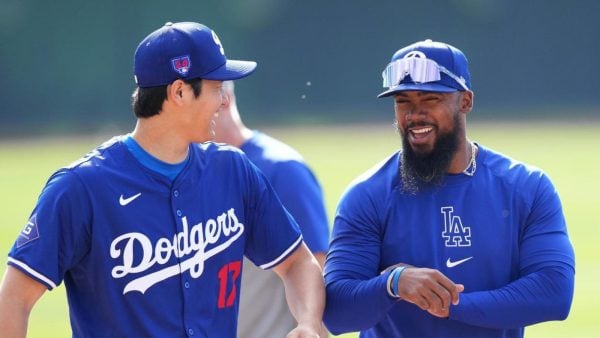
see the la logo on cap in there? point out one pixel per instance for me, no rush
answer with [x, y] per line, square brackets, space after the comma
[415, 54]
[218, 42]
[185, 50]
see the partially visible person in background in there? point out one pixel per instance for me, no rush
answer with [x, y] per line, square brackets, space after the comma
[445, 238]
[263, 307]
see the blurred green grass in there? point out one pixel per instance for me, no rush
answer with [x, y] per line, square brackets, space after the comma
[568, 152]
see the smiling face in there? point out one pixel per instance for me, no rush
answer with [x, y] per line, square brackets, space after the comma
[423, 117]
[203, 110]
[432, 126]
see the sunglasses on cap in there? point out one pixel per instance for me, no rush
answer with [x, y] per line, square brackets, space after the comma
[420, 69]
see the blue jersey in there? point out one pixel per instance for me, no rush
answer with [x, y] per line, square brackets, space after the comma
[501, 233]
[263, 307]
[295, 184]
[144, 256]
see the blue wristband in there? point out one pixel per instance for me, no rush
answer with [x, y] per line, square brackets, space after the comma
[395, 277]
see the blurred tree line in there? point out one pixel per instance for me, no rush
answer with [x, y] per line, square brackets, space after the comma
[66, 65]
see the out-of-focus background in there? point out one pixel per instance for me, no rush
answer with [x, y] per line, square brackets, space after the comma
[66, 81]
[67, 65]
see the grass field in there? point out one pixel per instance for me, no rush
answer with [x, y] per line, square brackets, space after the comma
[569, 153]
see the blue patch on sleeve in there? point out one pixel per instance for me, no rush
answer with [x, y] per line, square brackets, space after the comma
[29, 233]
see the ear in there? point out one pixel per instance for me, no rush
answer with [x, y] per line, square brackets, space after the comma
[226, 99]
[466, 101]
[175, 92]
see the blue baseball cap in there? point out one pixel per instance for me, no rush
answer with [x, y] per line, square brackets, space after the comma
[427, 66]
[185, 50]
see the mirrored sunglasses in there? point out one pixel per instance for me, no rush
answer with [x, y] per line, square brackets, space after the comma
[421, 70]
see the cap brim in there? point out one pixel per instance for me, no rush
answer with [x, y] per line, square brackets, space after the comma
[424, 87]
[231, 70]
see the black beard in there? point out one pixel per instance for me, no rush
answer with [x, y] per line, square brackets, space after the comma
[421, 170]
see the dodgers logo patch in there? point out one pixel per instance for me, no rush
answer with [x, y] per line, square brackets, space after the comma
[29, 233]
[181, 64]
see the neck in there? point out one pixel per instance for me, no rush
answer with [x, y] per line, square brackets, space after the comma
[235, 136]
[156, 138]
[463, 157]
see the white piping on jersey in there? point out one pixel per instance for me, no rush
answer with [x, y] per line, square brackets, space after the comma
[33, 272]
[285, 253]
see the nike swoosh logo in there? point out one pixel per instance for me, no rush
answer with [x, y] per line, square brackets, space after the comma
[125, 201]
[451, 264]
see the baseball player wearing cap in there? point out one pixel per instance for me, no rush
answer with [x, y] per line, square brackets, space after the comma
[148, 230]
[445, 238]
[263, 308]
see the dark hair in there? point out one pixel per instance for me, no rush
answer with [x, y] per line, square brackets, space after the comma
[147, 102]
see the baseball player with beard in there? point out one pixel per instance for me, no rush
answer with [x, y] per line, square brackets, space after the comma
[148, 231]
[446, 238]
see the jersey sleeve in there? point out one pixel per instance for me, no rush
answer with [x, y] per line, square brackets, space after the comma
[57, 232]
[273, 233]
[544, 290]
[545, 240]
[357, 297]
[301, 194]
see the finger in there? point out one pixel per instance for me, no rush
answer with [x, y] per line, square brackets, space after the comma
[442, 314]
[444, 295]
[421, 302]
[459, 288]
[436, 303]
[450, 286]
[441, 287]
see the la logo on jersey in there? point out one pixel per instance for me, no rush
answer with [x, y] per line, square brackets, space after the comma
[454, 232]
[191, 243]
[29, 233]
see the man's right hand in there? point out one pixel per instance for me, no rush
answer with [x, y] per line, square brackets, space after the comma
[429, 289]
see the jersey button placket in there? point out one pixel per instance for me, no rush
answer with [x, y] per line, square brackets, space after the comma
[186, 284]
[187, 311]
